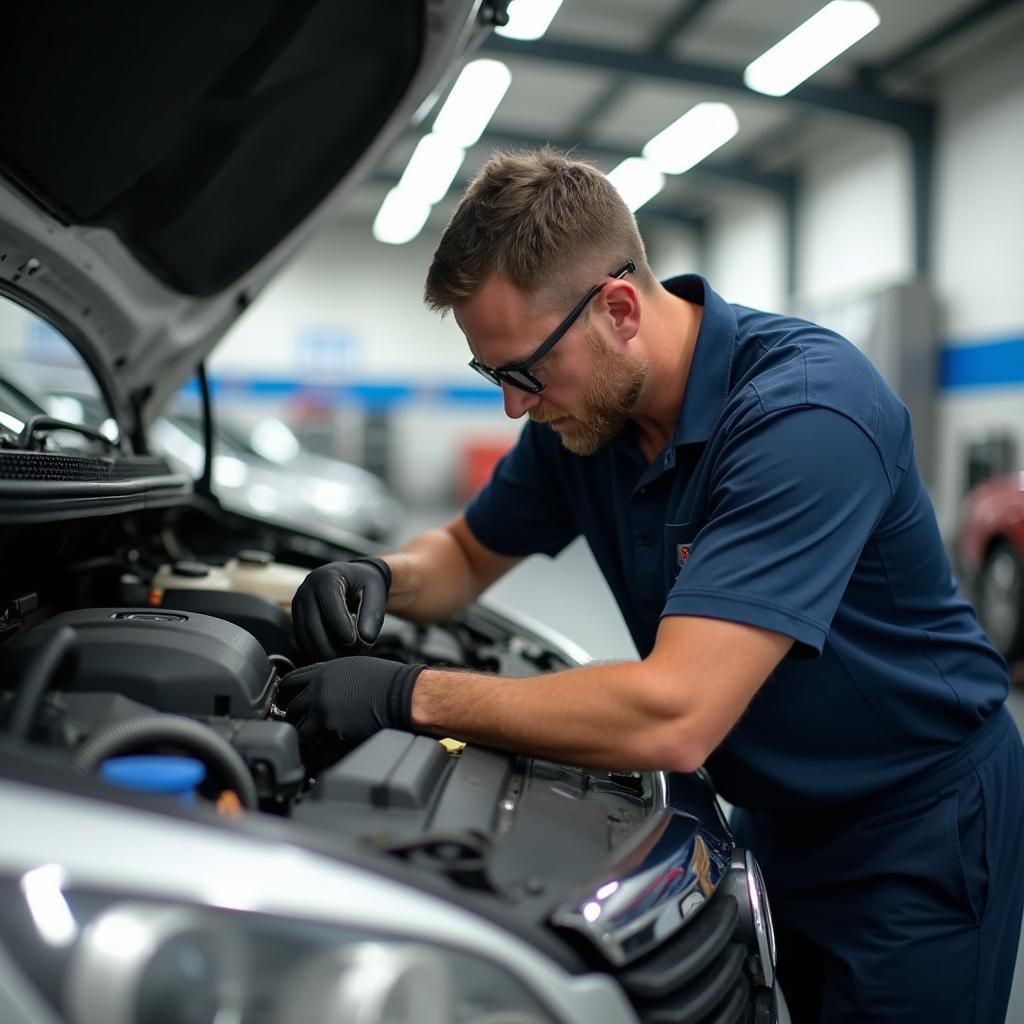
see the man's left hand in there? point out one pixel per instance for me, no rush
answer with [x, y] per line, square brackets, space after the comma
[353, 697]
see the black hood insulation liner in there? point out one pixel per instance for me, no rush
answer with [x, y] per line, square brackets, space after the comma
[200, 133]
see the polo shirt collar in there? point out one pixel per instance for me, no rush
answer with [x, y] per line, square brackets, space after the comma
[710, 369]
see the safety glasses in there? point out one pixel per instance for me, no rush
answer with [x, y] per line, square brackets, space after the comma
[518, 373]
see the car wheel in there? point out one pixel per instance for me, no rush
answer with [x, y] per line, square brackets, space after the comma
[1001, 600]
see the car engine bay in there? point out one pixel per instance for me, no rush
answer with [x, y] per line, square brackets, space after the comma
[165, 631]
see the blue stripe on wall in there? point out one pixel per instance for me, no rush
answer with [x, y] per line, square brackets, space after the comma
[988, 364]
[376, 394]
[997, 363]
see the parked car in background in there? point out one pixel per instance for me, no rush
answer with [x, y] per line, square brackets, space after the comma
[269, 474]
[991, 556]
[282, 480]
[160, 165]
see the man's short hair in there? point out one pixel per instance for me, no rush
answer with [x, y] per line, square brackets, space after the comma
[551, 225]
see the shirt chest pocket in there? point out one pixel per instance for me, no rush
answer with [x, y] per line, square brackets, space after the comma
[679, 539]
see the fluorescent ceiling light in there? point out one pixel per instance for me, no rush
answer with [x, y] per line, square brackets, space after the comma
[637, 180]
[400, 218]
[686, 141]
[431, 169]
[528, 19]
[473, 100]
[810, 46]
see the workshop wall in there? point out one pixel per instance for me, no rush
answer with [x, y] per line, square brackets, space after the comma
[746, 239]
[347, 323]
[855, 236]
[343, 340]
[348, 306]
[979, 262]
[854, 213]
[343, 335]
[671, 249]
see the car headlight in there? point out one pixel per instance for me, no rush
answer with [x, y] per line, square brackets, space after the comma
[129, 961]
[330, 497]
[229, 471]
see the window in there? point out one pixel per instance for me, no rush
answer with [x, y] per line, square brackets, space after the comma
[43, 374]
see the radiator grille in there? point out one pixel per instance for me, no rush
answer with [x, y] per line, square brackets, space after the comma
[697, 976]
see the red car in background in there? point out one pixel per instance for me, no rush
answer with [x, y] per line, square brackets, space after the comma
[991, 549]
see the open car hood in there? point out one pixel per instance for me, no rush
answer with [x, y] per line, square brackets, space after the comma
[159, 163]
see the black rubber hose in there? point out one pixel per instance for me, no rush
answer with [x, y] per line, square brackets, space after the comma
[57, 653]
[125, 737]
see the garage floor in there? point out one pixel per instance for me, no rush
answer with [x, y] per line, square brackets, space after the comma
[570, 596]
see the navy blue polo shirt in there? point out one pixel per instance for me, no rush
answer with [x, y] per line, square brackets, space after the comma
[787, 498]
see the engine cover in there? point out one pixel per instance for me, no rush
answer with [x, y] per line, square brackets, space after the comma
[175, 661]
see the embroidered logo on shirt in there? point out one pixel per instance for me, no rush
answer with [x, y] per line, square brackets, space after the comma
[682, 554]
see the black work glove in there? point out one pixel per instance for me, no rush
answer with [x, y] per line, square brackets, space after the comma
[339, 608]
[353, 697]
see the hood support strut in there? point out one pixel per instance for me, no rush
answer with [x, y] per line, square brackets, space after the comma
[204, 484]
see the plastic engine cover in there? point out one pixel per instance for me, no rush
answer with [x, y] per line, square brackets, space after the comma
[176, 661]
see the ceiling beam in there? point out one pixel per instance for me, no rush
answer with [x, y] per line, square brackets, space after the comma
[907, 114]
[952, 27]
[915, 118]
[660, 42]
[676, 23]
[739, 171]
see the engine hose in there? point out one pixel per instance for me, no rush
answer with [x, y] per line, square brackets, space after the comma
[173, 730]
[57, 654]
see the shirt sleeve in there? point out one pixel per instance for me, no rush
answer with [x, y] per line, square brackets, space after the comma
[793, 501]
[523, 509]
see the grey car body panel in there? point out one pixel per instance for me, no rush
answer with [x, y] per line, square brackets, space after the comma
[142, 338]
[234, 871]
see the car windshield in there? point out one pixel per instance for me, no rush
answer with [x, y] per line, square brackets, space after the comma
[43, 374]
[16, 408]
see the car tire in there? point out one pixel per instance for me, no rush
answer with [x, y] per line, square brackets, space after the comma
[1001, 599]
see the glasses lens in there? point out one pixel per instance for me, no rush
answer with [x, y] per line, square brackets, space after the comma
[486, 371]
[522, 379]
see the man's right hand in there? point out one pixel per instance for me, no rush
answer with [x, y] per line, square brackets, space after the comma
[339, 608]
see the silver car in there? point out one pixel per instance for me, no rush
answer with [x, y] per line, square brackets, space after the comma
[168, 852]
[294, 487]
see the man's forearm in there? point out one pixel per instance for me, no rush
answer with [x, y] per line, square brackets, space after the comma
[608, 716]
[431, 578]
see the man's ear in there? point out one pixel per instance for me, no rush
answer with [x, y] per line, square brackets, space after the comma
[622, 301]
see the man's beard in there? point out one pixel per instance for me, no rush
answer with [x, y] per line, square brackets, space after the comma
[607, 402]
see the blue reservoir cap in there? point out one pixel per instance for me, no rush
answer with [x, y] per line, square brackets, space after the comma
[152, 773]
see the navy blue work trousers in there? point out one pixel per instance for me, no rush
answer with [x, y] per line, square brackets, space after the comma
[909, 910]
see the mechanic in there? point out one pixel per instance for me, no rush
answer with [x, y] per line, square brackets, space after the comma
[747, 484]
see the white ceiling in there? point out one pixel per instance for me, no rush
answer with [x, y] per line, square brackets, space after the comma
[572, 104]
